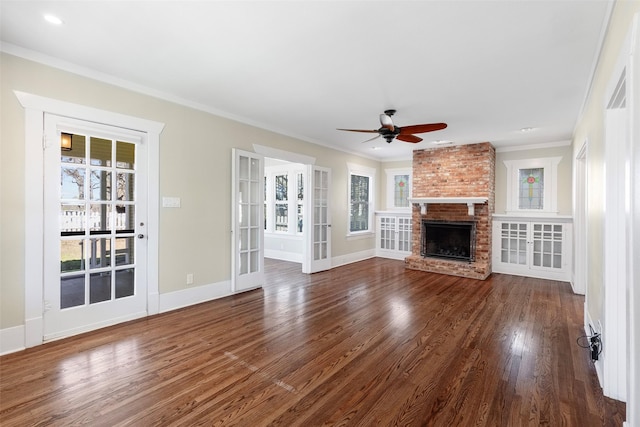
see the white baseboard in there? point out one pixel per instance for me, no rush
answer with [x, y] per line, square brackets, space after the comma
[94, 326]
[196, 295]
[538, 274]
[11, 340]
[153, 303]
[33, 330]
[283, 256]
[392, 254]
[351, 258]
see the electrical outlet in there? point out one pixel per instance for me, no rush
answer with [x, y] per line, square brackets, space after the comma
[189, 278]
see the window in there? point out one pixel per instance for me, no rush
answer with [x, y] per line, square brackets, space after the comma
[531, 191]
[284, 198]
[300, 202]
[361, 207]
[359, 217]
[532, 185]
[282, 203]
[398, 188]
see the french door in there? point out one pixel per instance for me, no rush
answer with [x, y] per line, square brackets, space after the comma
[318, 257]
[247, 221]
[95, 220]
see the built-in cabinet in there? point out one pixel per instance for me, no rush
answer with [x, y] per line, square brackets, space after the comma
[393, 234]
[535, 247]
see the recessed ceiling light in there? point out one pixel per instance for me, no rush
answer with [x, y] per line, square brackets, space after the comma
[527, 129]
[52, 19]
[376, 148]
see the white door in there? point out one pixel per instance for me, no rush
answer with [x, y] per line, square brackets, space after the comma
[247, 221]
[95, 215]
[318, 257]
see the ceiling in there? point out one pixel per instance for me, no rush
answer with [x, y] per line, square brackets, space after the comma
[304, 68]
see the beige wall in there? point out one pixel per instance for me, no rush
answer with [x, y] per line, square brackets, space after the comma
[195, 165]
[564, 175]
[590, 128]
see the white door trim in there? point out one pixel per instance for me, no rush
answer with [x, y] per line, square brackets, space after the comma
[579, 279]
[633, 304]
[35, 106]
[617, 226]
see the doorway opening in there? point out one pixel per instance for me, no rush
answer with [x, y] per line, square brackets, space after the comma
[303, 220]
[285, 194]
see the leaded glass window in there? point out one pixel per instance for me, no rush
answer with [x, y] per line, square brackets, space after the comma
[401, 191]
[531, 188]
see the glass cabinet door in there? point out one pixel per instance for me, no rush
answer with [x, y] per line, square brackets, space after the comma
[547, 245]
[513, 246]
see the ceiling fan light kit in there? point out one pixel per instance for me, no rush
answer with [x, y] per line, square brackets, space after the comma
[389, 131]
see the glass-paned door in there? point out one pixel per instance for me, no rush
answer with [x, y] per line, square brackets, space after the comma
[95, 215]
[513, 243]
[247, 221]
[319, 236]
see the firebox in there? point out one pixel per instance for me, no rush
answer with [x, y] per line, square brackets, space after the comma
[451, 240]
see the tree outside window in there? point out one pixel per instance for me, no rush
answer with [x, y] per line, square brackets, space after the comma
[359, 218]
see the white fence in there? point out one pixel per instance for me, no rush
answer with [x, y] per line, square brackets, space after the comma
[79, 220]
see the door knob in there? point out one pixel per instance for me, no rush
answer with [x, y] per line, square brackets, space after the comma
[140, 236]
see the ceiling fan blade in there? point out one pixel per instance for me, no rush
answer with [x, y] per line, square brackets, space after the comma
[386, 122]
[375, 137]
[405, 130]
[409, 138]
[360, 130]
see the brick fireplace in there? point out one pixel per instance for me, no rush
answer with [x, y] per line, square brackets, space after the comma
[454, 185]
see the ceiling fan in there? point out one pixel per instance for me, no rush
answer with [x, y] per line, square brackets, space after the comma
[389, 131]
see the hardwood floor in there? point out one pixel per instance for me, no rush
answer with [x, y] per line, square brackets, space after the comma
[369, 344]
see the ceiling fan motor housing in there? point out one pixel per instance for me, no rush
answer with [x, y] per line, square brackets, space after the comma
[388, 134]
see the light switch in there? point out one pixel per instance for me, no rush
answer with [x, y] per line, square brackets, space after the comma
[171, 202]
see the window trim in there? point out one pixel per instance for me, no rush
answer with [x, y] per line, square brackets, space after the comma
[550, 170]
[359, 170]
[390, 186]
[292, 202]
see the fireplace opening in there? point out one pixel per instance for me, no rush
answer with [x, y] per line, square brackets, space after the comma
[451, 240]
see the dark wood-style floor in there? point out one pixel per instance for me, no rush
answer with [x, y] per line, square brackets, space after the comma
[369, 344]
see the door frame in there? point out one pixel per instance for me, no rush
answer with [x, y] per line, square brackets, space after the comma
[35, 107]
[579, 282]
[309, 163]
[633, 220]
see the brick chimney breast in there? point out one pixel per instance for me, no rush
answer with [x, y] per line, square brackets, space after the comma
[458, 171]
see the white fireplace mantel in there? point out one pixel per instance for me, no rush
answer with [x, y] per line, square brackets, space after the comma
[469, 201]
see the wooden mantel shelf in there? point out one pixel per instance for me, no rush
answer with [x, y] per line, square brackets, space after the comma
[469, 201]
